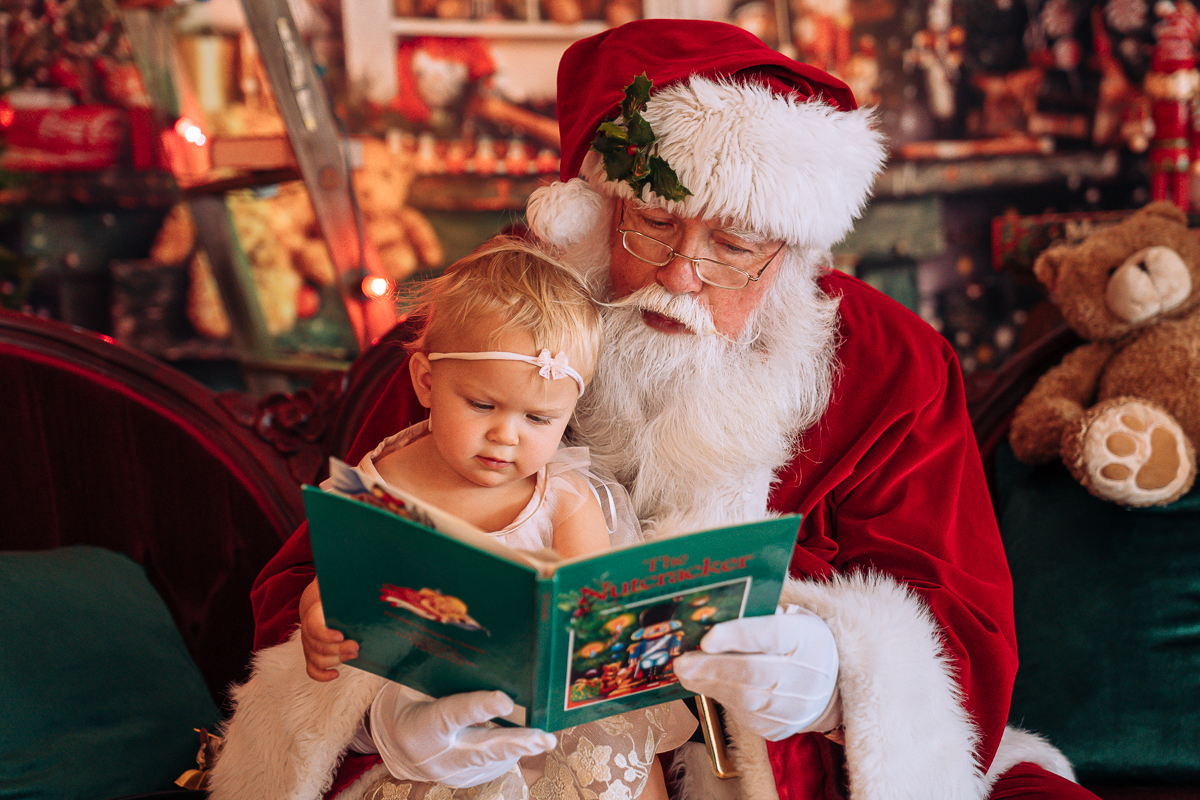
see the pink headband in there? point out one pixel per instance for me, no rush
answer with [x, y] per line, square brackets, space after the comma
[549, 367]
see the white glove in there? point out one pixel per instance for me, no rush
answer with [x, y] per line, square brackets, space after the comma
[441, 741]
[776, 675]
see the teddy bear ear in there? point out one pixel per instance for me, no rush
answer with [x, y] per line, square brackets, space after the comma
[1046, 267]
[1166, 210]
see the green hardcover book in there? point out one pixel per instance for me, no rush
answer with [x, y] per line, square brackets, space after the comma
[441, 607]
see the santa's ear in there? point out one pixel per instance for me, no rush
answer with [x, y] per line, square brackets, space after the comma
[420, 369]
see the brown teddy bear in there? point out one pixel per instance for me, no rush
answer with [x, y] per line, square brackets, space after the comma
[1123, 408]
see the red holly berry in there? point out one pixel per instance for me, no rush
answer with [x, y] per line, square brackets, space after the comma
[632, 150]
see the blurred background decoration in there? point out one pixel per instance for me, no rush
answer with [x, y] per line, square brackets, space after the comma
[116, 116]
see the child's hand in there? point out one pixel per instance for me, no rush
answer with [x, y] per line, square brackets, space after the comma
[324, 648]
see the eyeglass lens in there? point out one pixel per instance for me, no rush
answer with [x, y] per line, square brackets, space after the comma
[659, 253]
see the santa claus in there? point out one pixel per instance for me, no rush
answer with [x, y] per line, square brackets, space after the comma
[705, 178]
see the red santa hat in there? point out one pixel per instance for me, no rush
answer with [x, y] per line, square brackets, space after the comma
[774, 145]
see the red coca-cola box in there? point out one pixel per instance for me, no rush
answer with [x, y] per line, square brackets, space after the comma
[79, 138]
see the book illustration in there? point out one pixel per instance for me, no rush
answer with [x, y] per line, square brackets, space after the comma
[355, 484]
[631, 648]
[432, 605]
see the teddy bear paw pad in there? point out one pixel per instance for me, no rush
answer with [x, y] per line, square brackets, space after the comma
[1136, 454]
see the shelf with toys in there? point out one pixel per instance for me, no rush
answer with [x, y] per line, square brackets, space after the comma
[541, 31]
[496, 29]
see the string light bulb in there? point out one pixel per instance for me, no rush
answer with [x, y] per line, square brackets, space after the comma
[376, 287]
[190, 131]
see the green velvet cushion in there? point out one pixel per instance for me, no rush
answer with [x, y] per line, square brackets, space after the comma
[99, 693]
[1108, 624]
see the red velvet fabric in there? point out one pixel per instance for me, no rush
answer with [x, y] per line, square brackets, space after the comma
[1031, 782]
[889, 480]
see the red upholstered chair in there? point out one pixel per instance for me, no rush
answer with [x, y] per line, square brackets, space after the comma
[113, 651]
[306, 427]
[102, 445]
[136, 509]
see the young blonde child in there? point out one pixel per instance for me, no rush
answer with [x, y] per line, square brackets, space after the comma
[508, 342]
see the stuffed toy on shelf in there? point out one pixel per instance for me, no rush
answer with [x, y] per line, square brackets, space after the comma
[1122, 410]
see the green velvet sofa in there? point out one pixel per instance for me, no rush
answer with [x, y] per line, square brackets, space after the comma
[1107, 607]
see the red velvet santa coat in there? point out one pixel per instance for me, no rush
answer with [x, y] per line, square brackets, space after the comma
[898, 551]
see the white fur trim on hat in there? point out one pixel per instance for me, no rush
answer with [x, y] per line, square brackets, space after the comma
[789, 168]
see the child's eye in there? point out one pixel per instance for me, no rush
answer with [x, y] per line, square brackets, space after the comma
[538, 420]
[478, 406]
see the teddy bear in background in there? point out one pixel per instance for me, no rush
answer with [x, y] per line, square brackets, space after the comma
[286, 252]
[1122, 410]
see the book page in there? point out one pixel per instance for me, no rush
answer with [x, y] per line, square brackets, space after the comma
[358, 485]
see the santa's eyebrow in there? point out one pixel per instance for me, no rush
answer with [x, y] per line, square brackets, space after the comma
[749, 234]
[641, 205]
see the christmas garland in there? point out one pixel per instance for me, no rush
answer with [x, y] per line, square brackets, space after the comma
[629, 149]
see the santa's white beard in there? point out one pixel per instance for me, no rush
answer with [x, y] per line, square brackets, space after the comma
[696, 425]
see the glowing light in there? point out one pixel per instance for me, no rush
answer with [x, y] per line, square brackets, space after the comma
[190, 131]
[376, 287]
[7, 115]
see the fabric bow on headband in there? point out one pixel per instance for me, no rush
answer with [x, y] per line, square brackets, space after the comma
[549, 367]
[552, 367]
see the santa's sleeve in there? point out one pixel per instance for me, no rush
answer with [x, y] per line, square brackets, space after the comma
[920, 599]
[900, 554]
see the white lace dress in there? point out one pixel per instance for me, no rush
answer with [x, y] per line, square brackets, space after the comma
[609, 759]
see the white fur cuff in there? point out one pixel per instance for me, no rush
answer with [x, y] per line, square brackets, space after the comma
[288, 732]
[907, 733]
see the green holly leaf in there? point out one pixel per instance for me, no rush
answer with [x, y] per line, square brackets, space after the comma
[618, 164]
[606, 144]
[628, 148]
[641, 166]
[664, 181]
[636, 95]
[640, 132]
[612, 130]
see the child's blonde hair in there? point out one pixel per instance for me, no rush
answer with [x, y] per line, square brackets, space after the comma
[525, 288]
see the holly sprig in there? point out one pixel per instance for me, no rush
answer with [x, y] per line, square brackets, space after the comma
[580, 607]
[630, 149]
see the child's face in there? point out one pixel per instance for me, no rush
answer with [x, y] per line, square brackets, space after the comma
[494, 422]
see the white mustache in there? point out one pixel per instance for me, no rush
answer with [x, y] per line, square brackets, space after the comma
[681, 308]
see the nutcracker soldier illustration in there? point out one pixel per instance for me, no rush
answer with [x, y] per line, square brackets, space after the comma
[656, 643]
[1173, 85]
